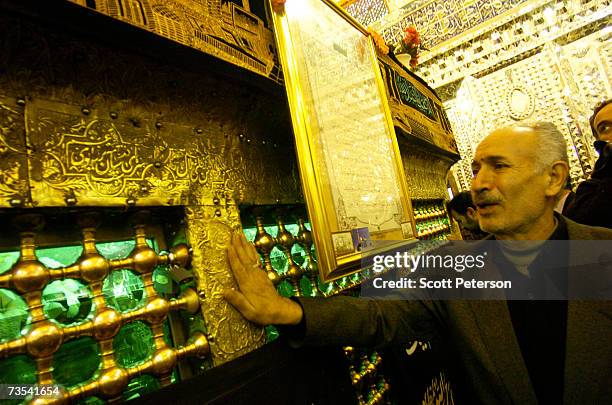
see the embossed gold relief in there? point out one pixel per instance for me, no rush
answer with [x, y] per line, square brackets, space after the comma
[13, 162]
[84, 156]
[425, 174]
[209, 229]
[220, 28]
[29, 276]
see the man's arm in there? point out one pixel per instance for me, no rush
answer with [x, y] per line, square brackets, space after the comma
[331, 321]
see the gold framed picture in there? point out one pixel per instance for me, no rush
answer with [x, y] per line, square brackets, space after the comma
[349, 161]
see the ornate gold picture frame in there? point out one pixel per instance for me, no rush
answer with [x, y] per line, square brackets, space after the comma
[350, 166]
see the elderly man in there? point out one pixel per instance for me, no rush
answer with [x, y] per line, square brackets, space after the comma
[512, 352]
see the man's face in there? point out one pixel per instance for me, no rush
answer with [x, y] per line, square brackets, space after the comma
[508, 191]
[468, 221]
[603, 124]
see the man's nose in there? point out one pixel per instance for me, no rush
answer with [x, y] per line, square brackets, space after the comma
[482, 180]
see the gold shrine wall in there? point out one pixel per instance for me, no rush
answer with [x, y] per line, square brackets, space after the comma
[83, 124]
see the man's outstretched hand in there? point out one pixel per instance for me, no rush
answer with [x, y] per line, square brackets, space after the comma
[256, 298]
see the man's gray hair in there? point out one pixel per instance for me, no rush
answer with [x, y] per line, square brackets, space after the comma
[551, 146]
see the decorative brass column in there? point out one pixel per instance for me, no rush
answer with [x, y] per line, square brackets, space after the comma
[209, 230]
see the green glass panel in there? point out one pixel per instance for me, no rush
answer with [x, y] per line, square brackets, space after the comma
[299, 254]
[139, 386]
[292, 228]
[250, 233]
[133, 344]
[306, 287]
[124, 290]
[76, 361]
[307, 226]
[7, 259]
[279, 260]
[272, 230]
[271, 333]
[162, 282]
[57, 257]
[285, 289]
[14, 316]
[326, 288]
[343, 282]
[20, 369]
[116, 250]
[67, 301]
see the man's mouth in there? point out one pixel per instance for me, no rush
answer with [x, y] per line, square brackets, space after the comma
[483, 207]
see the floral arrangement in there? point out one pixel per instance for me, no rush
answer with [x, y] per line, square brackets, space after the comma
[379, 41]
[278, 5]
[410, 44]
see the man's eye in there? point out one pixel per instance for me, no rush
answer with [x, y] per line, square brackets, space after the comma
[474, 172]
[500, 165]
[604, 129]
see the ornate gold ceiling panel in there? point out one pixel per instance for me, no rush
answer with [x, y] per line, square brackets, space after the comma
[219, 28]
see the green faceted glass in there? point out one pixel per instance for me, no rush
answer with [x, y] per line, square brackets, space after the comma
[326, 288]
[67, 301]
[250, 233]
[272, 230]
[20, 369]
[133, 344]
[7, 259]
[292, 228]
[298, 254]
[285, 289]
[116, 250]
[139, 386]
[343, 282]
[123, 290]
[306, 287]
[14, 316]
[57, 257]
[279, 260]
[271, 333]
[76, 361]
[162, 282]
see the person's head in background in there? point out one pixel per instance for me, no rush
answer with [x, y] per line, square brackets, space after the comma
[519, 172]
[463, 210]
[601, 121]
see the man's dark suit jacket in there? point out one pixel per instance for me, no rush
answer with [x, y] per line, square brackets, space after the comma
[483, 337]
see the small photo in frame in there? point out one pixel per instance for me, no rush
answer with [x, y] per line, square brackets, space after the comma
[343, 243]
[407, 231]
[361, 239]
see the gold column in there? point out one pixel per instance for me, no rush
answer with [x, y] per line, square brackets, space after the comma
[209, 232]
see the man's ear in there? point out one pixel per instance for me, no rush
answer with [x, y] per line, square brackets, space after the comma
[557, 177]
[471, 213]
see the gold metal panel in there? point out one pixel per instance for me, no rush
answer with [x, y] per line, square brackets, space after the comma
[349, 160]
[209, 230]
[82, 156]
[13, 162]
[219, 28]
